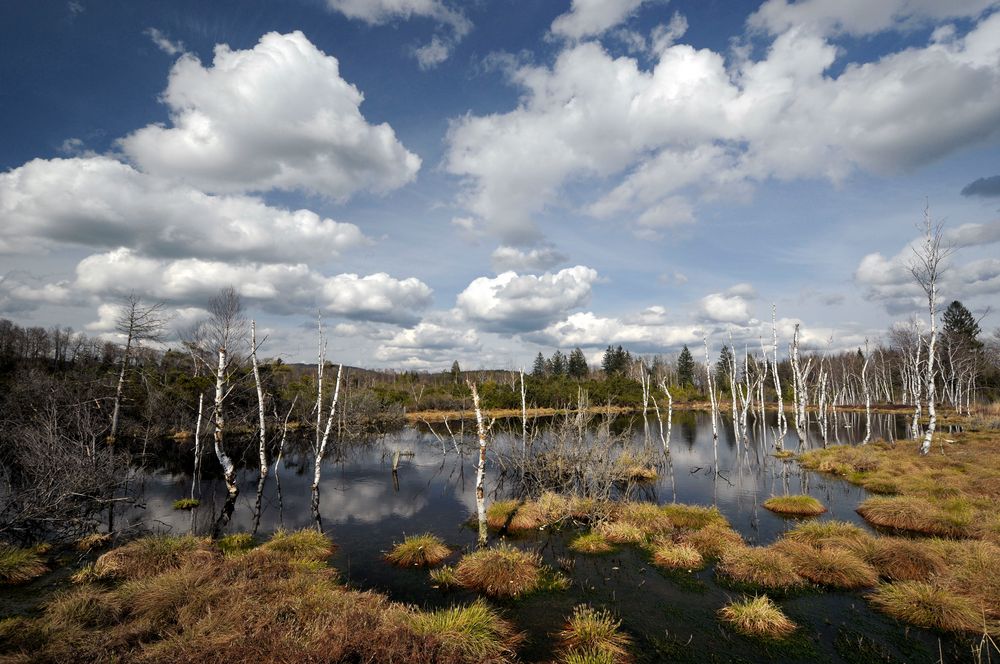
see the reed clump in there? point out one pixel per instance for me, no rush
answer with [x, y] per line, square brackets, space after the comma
[92, 541]
[592, 635]
[425, 550]
[236, 544]
[677, 556]
[800, 505]
[501, 571]
[20, 565]
[901, 559]
[648, 517]
[759, 567]
[758, 616]
[620, 532]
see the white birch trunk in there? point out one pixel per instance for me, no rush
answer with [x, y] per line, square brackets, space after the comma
[228, 468]
[262, 451]
[480, 468]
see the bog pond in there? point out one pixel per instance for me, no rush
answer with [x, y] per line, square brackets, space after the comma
[366, 508]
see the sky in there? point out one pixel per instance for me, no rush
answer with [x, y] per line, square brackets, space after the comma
[482, 181]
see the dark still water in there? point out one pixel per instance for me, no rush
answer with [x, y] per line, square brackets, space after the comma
[366, 508]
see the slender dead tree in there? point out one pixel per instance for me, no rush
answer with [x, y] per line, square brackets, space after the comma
[224, 328]
[926, 266]
[262, 448]
[715, 405]
[782, 421]
[868, 395]
[196, 475]
[321, 447]
[524, 418]
[480, 467]
[138, 322]
[665, 439]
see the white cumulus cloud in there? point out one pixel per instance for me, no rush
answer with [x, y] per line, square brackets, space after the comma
[277, 116]
[518, 303]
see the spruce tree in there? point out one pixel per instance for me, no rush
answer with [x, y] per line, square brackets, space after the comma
[685, 367]
[578, 364]
[538, 370]
[558, 364]
[960, 325]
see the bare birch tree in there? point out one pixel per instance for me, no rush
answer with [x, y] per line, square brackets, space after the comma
[480, 467]
[926, 266]
[223, 331]
[138, 322]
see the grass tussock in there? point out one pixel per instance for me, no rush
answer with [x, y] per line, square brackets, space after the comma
[592, 635]
[475, 633]
[305, 544]
[833, 566]
[425, 550]
[592, 543]
[693, 516]
[952, 518]
[18, 565]
[267, 605]
[952, 492]
[713, 541]
[620, 532]
[186, 503]
[519, 516]
[444, 577]
[928, 605]
[502, 571]
[800, 505]
[677, 556]
[152, 555]
[902, 559]
[648, 517]
[92, 541]
[759, 617]
[759, 568]
[827, 533]
[236, 544]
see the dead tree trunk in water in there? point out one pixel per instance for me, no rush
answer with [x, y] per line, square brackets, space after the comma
[868, 395]
[715, 405]
[480, 468]
[137, 322]
[196, 475]
[782, 422]
[262, 451]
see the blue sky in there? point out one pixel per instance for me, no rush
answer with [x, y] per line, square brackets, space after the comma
[482, 181]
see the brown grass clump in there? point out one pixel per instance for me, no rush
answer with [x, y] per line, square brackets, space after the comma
[499, 513]
[759, 567]
[834, 567]
[693, 516]
[713, 540]
[620, 532]
[973, 571]
[85, 606]
[264, 606]
[901, 559]
[305, 544]
[19, 565]
[592, 542]
[759, 617]
[594, 636]
[677, 556]
[424, 550]
[795, 505]
[503, 571]
[917, 515]
[151, 555]
[928, 605]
